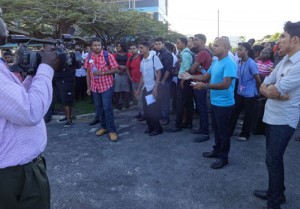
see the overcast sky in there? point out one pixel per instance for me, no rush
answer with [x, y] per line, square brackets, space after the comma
[253, 19]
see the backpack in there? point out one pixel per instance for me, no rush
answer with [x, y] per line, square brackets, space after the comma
[193, 56]
[105, 54]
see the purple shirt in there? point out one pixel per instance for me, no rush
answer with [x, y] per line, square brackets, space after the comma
[23, 133]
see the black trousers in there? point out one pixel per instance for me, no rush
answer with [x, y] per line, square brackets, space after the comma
[220, 119]
[247, 104]
[25, 186]
[80, 87]
[152, 113]
[184, 100]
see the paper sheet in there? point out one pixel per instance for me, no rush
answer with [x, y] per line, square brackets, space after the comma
[150, 99]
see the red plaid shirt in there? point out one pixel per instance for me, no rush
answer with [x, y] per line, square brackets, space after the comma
[103, 82]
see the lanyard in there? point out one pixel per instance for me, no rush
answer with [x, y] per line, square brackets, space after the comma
[242, 69]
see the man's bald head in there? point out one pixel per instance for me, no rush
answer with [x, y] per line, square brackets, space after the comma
[225, 42]
[221, 47]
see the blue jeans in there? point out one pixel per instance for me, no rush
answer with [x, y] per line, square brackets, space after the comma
[201, 101]
[220, 120]
[277, 139]
[164, 100]
[103, 103]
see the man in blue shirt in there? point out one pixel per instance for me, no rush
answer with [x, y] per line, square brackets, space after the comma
[221, 74]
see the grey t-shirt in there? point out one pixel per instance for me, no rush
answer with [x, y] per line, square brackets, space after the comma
[286, 77]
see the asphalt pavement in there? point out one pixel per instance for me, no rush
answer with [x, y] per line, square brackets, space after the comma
[162, 172]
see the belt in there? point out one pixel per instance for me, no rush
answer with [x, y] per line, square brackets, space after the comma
[37, 158]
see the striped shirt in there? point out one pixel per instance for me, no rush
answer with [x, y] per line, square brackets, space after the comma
[104, 82]
[23, 105]
[264, 67]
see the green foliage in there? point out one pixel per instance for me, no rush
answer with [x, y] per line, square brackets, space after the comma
[275, 37]
[44, 18]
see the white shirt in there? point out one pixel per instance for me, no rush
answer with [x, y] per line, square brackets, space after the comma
[148, 67]
[286, 77]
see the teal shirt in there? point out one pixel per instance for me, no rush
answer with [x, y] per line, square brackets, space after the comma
[186, 60]
[219, 70]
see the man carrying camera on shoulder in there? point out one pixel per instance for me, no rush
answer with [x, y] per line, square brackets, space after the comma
[23, 138]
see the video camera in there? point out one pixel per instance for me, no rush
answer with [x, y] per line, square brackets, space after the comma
[29, 60]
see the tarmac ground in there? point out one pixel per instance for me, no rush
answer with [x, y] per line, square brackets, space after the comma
[162, 172]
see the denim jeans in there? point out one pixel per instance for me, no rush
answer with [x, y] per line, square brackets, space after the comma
[164, 100]
[277, 139]
[220, 119]
[103, 103]
[201, 101]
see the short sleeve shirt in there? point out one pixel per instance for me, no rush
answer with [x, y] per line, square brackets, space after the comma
[134, 65]
[186, 60]
[219, 70]
[148, 68]
[247, 83]
[204, 58]
[104, 82]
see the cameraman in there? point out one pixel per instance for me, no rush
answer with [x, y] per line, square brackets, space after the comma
[23, 138]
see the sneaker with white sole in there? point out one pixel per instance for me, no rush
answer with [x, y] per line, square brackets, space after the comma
[242, 138]
[62, 120]
[68, 124]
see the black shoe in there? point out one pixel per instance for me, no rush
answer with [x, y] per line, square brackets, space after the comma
[202, 138]
[147, 131]
[94, 122]
[154, 133]
[47, 120]
[187, 126]
[211, 154]
[196, 131]
[68, 124]
[219, 163]
[176, 129]
[142, 118]
[137, 116]
[263, 194]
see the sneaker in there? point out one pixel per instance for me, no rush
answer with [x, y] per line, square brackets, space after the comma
[242, 138]
[101, 132]
[163, 122]
[68, 124]
[64, 119]
[113, 136]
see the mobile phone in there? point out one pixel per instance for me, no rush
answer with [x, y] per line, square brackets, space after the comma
[193, 83]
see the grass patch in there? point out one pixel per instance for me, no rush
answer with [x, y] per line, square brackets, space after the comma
[83, 107]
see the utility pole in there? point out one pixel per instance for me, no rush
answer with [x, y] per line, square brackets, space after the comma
[218, 23]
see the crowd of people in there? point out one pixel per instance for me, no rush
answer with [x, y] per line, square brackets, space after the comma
[160, 76]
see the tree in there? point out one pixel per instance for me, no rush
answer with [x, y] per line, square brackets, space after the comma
[44, 18]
